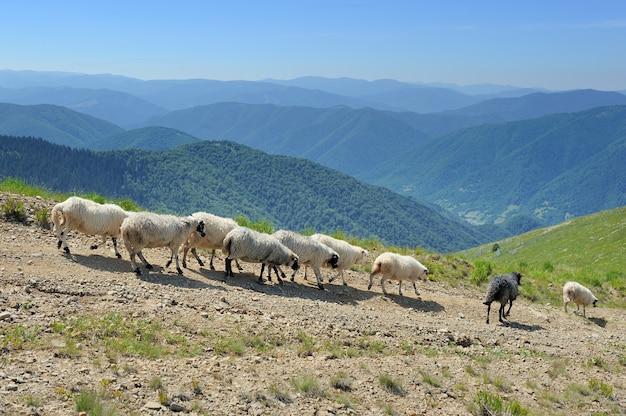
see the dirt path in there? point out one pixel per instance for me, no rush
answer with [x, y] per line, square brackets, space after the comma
[236, 347]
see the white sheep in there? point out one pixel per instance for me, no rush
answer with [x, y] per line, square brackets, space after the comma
[149, 230]
[348, 254]
[579, 294]
[254, 247]
[310, 252]
[216, 230]
[503, 288]
[87, 217]
[394, 266]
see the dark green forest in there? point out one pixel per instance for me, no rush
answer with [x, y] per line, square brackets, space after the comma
[229, 179]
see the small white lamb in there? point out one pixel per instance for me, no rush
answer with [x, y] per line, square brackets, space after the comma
[394, 266]
[579, 294]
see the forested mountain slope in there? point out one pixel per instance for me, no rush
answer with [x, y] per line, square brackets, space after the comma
[550, 168]
[229, 179]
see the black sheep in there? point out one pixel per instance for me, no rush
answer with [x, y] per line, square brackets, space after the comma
[503, 289]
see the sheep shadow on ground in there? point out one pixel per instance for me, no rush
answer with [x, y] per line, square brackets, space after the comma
[601, 322]
[102, 263]
[334, 292]
[298, 289]
[158, 274]
[415, 303]
[523, 327]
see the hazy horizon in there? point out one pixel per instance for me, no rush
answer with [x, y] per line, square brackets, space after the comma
[557, 45]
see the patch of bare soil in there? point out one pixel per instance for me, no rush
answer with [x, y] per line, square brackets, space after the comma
[237, 347]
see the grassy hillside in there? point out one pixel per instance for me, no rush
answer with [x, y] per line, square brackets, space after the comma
[590, 250]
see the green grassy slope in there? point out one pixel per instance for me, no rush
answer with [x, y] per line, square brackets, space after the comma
[590, 250]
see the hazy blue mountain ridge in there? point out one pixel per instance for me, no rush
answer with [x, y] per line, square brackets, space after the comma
[352, 141]
[116, 107]
[489, 172]
[54, 123]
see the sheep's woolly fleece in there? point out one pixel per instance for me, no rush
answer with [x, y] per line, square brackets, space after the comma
[322, 336]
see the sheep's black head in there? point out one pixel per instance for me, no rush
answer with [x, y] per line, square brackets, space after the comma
[333, 261]
[425, 275]
[594, 302]
[295, 265]
[518, 276]
[201, 228]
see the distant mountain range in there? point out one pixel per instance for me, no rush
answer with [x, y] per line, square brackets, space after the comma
[487, 154]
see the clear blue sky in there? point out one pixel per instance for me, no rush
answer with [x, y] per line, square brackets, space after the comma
[552, 44]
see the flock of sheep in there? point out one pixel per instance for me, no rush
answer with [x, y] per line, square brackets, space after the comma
[141, 230]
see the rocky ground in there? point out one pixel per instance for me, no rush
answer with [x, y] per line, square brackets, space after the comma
[83, 326]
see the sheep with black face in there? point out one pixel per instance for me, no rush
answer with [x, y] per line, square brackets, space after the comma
[252, 246]
[149, 230]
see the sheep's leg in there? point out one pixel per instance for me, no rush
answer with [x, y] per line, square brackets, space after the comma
[133, 264]
[382, 284]
[417, 292]
[280, 281]
[488, 310]
[238, 265]
[343, 278]
[117, 253]
[178, 269]
[64, 240]
[510, 306]
[103, 240]
[211, 261]
[170, 260]
[228, 271]
[400, 287]
[143, 260]
[195, 254]
[185, 250]
[318, 275]
[501, 312]
[175, 256]
[58, 231]
[371, 281]
[293, 275]
[269, 275]
[330, 279]
[584, 312]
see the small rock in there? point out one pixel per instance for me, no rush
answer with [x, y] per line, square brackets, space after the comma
[5, 316]
[175, 407]
[11, 387]
[153, 405]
